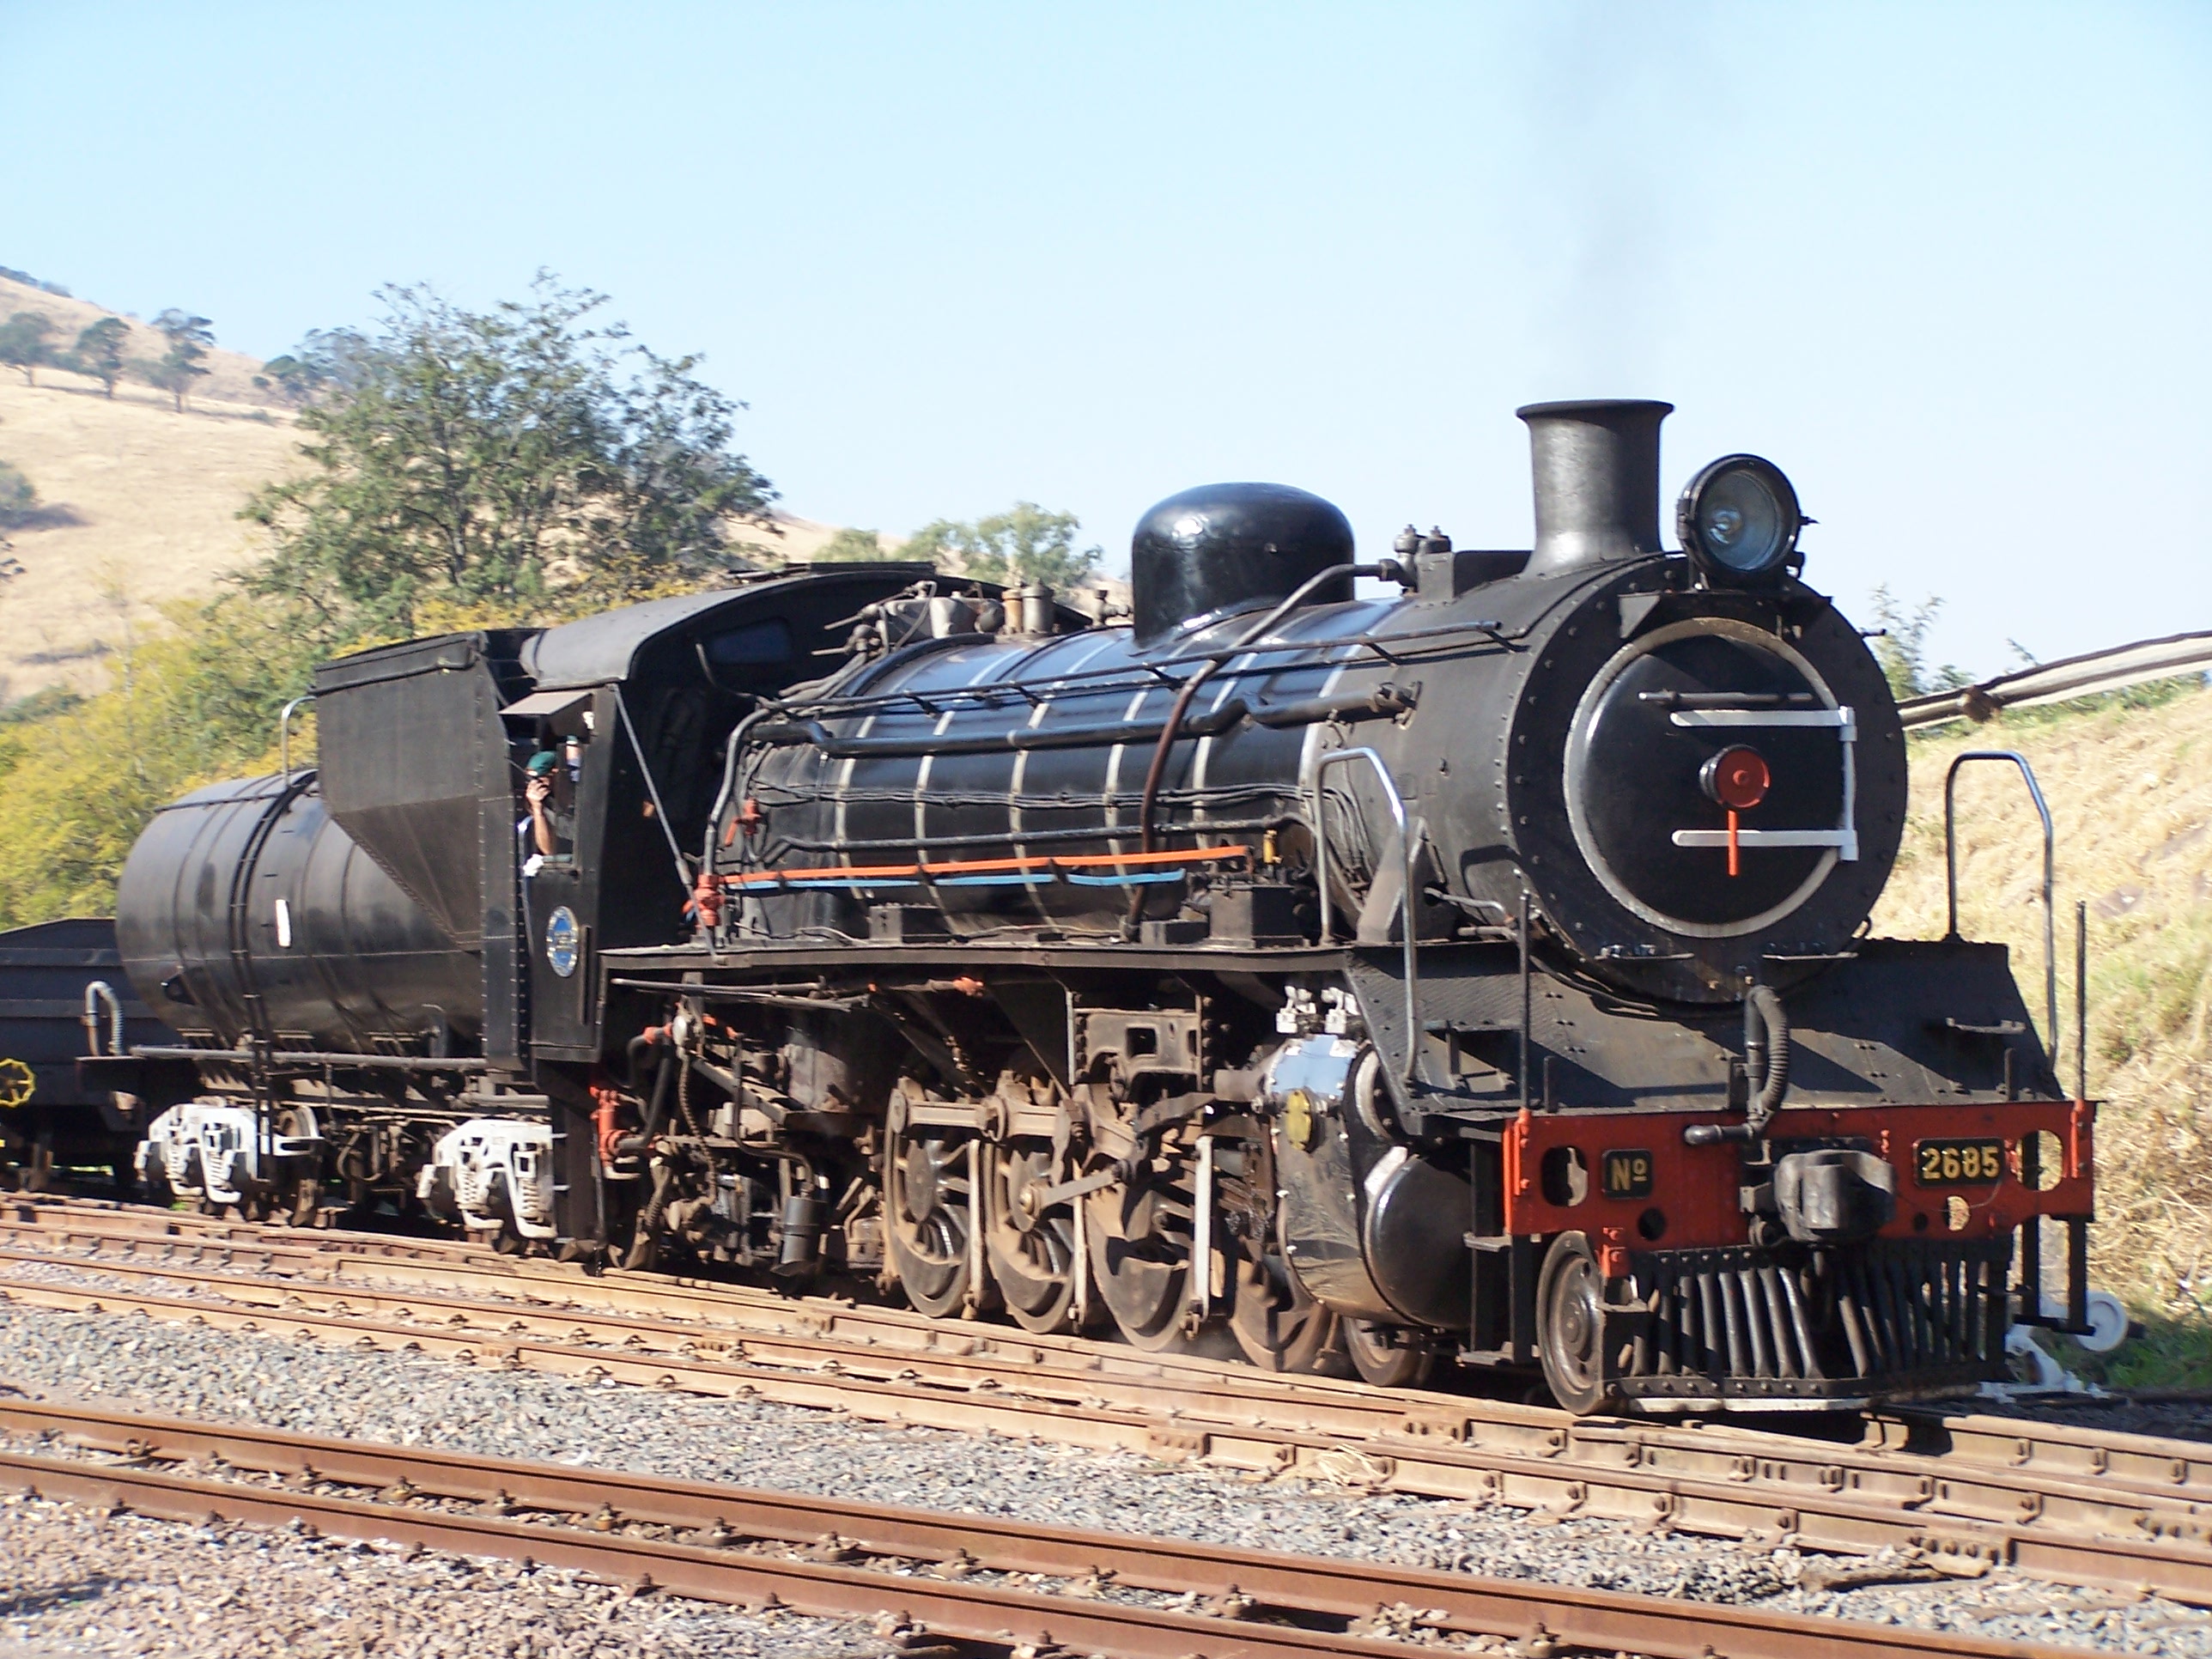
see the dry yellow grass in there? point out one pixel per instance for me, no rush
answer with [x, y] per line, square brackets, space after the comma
[795, 539]
[141, 502]
[2130, 794]
[141, 507]
[230, 375]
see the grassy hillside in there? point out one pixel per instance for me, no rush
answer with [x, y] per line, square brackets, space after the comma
[139, 507]
[138, 502]
[228, 381]
[2128, 780]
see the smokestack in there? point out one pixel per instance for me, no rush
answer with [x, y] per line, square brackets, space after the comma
[1596, 466]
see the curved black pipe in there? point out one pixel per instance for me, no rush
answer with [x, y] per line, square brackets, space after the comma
[1765, 1054]
[1173, 725]
[636, 1045]
[657, 1110]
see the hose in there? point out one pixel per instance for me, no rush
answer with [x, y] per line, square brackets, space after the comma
[1765, 1054]
[657, 1110]
[683, 1096]
[636, 1045]
[722, 797]
[644, 1245]
[706, 900]
[96, 993]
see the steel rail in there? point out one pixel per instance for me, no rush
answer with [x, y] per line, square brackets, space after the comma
[2056, 1531]
[447, 1268]
[818, 1330]
[1224, 1407]
[821, 1332]
[1328, 1596]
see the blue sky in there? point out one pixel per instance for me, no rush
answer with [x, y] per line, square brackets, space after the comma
[1948, 265]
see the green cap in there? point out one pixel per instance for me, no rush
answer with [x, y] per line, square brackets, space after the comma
[541, 763]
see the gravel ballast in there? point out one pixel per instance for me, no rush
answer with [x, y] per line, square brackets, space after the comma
[75, 1582]
[412, 1400]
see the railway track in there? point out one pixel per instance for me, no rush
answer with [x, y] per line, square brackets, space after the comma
[935, 1583]
[2062, 1503]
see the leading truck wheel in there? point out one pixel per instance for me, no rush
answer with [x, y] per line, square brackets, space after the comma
[1280, 1327]
[1571, 1326]
[1388, 1356]
[1273, 1317]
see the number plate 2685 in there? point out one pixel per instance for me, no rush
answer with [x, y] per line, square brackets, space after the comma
[1958, 1162]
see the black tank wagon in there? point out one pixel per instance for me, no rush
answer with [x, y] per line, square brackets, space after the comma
[1479, 973]
[63, 995]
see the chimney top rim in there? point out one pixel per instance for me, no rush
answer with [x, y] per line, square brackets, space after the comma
[1573, 407]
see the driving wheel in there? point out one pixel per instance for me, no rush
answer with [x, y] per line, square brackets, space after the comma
[1030, 1246]
[303, 1194]
[925, 1185]
[1140, 1241]
[1570, 1325]
[1275, 1320]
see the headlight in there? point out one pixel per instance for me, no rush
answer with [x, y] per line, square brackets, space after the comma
[1739, 519]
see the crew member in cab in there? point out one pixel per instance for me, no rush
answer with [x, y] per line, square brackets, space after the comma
[551, 793]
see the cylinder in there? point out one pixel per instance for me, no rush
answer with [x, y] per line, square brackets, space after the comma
[244, 909]
[1597, 473]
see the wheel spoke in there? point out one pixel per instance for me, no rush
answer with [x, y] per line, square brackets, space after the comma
[1031, 1256]
[1140, 1245]
[927, 1210]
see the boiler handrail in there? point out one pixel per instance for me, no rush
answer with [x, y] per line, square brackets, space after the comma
[1319, 764]
[1951, 878]
[97, 993]
[284, 734]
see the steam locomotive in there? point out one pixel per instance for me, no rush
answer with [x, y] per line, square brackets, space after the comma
[1478, 973]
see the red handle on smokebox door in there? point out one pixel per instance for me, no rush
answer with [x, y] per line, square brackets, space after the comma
[1738, 779]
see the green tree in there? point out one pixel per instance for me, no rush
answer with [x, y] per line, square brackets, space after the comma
[188, 338]
[291, 377]
[497, 458]
[195, 703]
[23, 344]
[18, 499]
[1901, 649]
[849, 545]
[174, 372]
[100, 351]
[181, 328]
[328, 358]
[1024, 543]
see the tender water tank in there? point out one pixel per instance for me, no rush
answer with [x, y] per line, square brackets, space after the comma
[245, 907]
